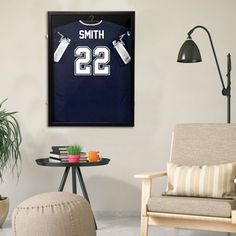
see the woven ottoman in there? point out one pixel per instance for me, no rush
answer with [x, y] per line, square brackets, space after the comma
[54, 214]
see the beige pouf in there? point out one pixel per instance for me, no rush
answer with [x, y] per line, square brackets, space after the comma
[54, 214]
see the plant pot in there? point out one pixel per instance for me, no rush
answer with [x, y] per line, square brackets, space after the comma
[4, 208]
[73, 158]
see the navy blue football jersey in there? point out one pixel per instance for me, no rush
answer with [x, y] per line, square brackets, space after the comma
[92, 83]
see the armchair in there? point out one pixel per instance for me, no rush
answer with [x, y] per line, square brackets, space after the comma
[193, 144]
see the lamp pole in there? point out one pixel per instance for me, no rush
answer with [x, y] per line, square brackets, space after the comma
[228, 88]
[226, 91]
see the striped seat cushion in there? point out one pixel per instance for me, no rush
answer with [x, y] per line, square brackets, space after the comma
[216, 181]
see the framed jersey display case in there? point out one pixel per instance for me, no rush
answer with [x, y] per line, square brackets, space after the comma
[91, 68]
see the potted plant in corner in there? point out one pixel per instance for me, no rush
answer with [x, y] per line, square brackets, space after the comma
[74, 153]
[10, 157]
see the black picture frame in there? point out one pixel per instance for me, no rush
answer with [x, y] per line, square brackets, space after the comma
[125, 19]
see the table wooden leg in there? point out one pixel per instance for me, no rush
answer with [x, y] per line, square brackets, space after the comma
[74, 188]
[83, 188]
[64, 178]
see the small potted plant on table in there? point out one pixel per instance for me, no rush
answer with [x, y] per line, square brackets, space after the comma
[74, 153]
[10, 157]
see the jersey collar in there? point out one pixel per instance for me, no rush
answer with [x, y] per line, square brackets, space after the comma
[94, 24]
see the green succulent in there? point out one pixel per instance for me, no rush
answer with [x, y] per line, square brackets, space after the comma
[74, 149]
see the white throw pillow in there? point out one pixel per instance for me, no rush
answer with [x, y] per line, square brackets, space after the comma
[215, 181]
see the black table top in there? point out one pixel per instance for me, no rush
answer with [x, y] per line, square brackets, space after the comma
[46, 162]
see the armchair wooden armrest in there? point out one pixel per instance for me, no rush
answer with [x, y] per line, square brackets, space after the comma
[151, 175]
[146, 193]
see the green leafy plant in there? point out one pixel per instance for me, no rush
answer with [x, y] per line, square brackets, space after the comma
[10, 140]
[74, 149]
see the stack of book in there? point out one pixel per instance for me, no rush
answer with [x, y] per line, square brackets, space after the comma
[59, 154]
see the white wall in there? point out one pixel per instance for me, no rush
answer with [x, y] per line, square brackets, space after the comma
[166, 92]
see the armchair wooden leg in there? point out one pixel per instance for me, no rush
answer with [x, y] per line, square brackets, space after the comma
[146, 192]
[144, 226]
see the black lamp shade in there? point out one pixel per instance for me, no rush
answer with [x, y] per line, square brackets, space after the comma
[189, 52]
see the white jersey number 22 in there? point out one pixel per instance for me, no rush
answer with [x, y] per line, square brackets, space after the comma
[84, 56]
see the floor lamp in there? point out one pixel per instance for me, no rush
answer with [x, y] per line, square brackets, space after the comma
[189, 53]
